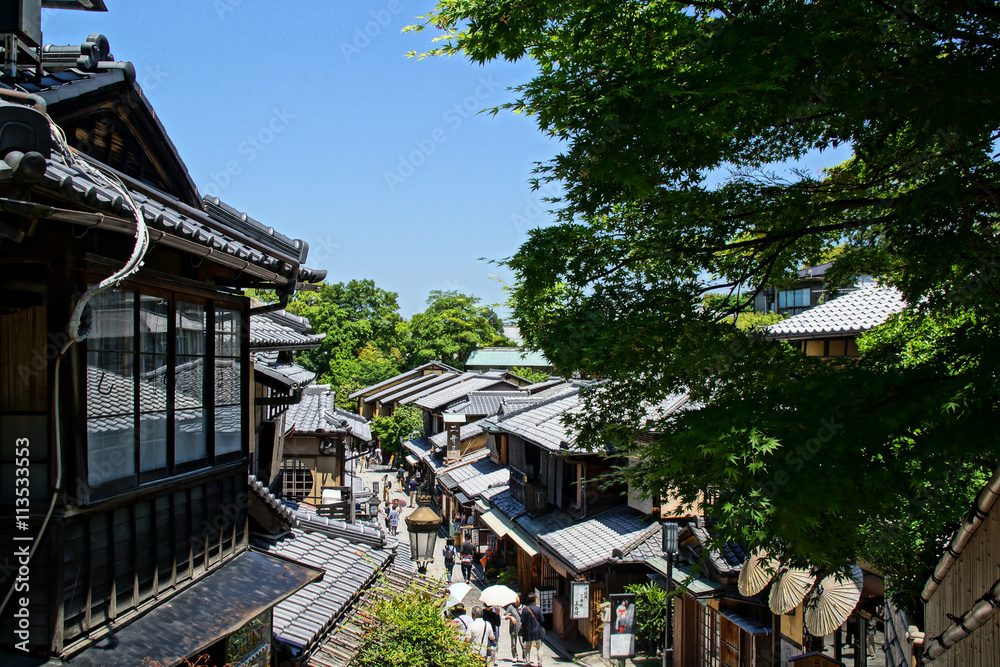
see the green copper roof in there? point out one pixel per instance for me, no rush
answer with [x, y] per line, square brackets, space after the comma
[502, 357]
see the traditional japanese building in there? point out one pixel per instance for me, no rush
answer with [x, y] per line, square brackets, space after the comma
[125, 380]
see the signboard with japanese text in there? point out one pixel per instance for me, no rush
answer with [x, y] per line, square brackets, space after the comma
[580, 599]
[454, 439]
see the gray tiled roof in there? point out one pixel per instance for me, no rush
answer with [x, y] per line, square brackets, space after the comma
[453, 379]
[470, 430]
[544, 384]
[728, 561]
[275, 331]
[489, 477]
[180, 225]
[852, 313]
[349, 568]
[417, 387]
[396, 378]
[290, 374]
[484, 403]
[508, 504]
[452, 393]
[257, 487]
[420, 447]
[541, 423]
[317, 413]
[441, 468]
[310, 521]
[341, 645]
[589, 543]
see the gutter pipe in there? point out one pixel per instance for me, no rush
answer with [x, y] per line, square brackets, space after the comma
[986, 500]
[981, 612]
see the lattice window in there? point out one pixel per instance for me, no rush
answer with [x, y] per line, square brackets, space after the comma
[708, 637]
[296, 480]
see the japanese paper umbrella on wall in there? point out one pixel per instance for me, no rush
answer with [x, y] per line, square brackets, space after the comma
[835, 598]
[790, 589]
[756, 573]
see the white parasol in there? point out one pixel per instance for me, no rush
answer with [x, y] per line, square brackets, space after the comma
[836, 597]
[457, 593]
[756, 573]
[789, 589]
[498, 595]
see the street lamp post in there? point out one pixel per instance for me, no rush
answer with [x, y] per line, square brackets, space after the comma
[670, 531]
[422, 527]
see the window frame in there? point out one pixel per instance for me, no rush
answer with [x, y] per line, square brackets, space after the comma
[211, 303]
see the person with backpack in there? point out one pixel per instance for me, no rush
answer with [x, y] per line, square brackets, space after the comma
[469, 553]
[449, 552]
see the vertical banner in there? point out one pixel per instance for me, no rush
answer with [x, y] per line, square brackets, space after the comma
[453, 428]
[454, 451]
[580, 599]
[622, 631]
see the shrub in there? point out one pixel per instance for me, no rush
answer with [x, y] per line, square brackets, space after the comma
[650, 614]
[408, 631]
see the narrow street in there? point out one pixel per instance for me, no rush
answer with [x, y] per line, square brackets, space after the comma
[552, 653]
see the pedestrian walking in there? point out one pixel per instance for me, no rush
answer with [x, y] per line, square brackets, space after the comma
[469, 552]
[413, 486]
[394, 521]
[377, 455]
[459, 618]
[386, 487]
[531, 629]
[400, 476]
[449, 552]
[513, 615]
[480, 633]
[384, 513]
[492, 616]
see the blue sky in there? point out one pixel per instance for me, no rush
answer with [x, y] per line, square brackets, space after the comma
[309, 117]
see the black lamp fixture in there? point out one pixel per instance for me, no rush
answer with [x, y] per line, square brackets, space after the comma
[422, 526]
[670, 533]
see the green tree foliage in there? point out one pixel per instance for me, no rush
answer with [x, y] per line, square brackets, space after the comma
[652, 101]
[451, 327]
[405, 423]
[650, 615]
[532, 374]
[364, 334]
[408, 631]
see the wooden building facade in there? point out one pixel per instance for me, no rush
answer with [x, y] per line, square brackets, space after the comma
[125, 401]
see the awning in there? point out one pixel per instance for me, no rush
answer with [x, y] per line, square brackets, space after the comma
[688, 577]
[501, 525]
[412, 460]
[209, 610]
[463, 499]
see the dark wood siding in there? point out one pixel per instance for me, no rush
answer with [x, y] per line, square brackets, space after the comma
[135, 549]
